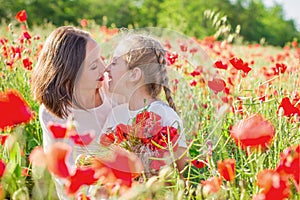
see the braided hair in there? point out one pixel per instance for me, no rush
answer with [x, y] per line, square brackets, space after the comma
[148, 54]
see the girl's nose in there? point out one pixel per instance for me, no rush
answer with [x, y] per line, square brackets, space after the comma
[107, 69]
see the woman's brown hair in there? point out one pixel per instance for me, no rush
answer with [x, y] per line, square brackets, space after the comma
[60, 61]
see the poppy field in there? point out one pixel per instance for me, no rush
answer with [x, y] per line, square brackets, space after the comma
[240, 105]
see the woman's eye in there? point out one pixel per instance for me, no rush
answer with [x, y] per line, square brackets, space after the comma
[93, 66]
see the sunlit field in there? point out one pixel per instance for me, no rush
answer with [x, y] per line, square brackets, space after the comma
[240, 104]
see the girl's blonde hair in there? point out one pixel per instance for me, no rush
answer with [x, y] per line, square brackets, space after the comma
[148, 54]
[54, 76]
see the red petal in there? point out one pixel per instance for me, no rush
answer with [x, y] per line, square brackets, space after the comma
[83, 139]
[253, 131]
[107, 139]
[288, 108]
[199, 164]
[21, 16]
[240, 65]
[56, 159]
[3, 138]
[14, 109]
[123, 164]
[58, 130]
[226, 168]
[82, 176]
[122, 132]
[273, 185]
[2, 167]
[217, 85]
[220, 65]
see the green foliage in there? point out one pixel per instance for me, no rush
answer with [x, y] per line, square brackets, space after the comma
[257, 22]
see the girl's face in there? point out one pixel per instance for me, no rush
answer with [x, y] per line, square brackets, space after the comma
[118, 75]
[93, 69]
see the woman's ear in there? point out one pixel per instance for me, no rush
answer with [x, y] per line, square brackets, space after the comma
[135, 74]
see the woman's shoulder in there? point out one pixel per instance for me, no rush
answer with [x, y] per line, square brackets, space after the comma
[45, 116]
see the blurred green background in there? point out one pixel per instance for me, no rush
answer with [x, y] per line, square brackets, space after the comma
[258, 23]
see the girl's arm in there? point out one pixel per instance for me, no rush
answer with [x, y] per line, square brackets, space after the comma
[181, 154]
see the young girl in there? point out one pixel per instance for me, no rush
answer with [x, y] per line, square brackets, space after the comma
[67, 81]
[138, 71]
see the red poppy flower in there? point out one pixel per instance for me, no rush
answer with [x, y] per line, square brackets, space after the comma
[162, 138]
[217, 85]
[193, 50]
[199, 163]
[122, 132]
[120, 163]
[226, 168]
[263, 98]
[56, 159]
[294, 44]
[146, 124]
[290, 163]
[107, 139]
[273, 185]
[288, 108]
[84, 22]
[195, 73]
[82, 176]
[279, 68]
[21, 16]
[171, 58]
[144, 117]
[253, 131]
[220, 65]
[58, 130]
[27, 64]
[183, 47]
[211, 185]
[2, 167]
[26, 35]
[14, 109]
[83, 139]
[193, 83]
[240, 65]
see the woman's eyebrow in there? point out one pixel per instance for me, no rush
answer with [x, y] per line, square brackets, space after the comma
[94, 61]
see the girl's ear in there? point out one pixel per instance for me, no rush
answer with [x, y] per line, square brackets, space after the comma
[135, 74]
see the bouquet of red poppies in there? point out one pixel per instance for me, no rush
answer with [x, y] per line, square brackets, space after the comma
[152, 142]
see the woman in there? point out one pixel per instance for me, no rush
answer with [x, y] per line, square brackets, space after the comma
[68, 81]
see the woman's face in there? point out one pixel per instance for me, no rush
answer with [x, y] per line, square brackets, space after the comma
[92, 73]
[118, 75]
